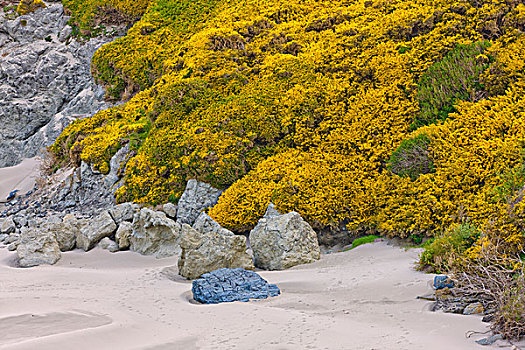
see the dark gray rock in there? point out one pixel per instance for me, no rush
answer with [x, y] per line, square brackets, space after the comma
[227, 285]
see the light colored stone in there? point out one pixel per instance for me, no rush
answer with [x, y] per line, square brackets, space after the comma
[12, 238]
[45, 83]
[98, 228]
[65, 232]
[208, 247]
[116, 166]
[8, 226]
[155, 234]
[124, 231]
[37, 248]
[196, 197]
[123, 212]
[108, 244]
[282, 241]
[170, 209]
[206, 224]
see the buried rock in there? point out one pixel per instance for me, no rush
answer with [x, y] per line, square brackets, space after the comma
[227, 285]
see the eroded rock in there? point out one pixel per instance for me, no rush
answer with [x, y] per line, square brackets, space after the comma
[37, 248]
[99, 227]
[208, 247]
[124, 231]
[155, 234]
[45, 81]
[283, 241]
[108, 244]
[196, 197]
[227, 285]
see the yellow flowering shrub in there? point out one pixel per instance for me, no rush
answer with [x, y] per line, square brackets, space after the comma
[27, 6]
[303, 104]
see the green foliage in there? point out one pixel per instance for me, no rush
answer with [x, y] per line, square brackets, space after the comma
[364, 240]
[454, 78]
[412, 158]
[512, 181]
[441, 255]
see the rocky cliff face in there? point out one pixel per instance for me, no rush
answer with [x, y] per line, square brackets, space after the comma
[45, 81]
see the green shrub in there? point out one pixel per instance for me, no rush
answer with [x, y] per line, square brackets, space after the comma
[412, 158]
[443, 252]
[455, 78]
[364, 240]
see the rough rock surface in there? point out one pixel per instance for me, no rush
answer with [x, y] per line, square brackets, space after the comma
[170, 209]
[8, 226]
[282, 241]
[124, 231]
[196, 197]
[124, 212]
[99, 227]
[65, 232]
[37, 248]
[45, 81]
[155, 234]
[108, 244]
[209, 247]
[226, 285]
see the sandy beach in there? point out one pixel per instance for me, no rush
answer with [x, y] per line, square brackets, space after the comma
[360, 299]
[20, 177]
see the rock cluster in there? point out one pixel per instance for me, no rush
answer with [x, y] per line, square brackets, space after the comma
[450, 300]
[227, 285]
[45, 81]
[91, 219]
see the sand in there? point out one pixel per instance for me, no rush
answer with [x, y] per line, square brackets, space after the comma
[360, 299]
[20, 177]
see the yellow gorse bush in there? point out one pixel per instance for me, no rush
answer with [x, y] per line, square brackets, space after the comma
[302, 103]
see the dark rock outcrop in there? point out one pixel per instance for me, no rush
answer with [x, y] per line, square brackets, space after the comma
[227, 285]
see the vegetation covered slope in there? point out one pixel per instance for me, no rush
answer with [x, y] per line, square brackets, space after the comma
[403, 117]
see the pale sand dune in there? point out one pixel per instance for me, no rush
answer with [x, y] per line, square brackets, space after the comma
[20, 177]
[361, 299]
